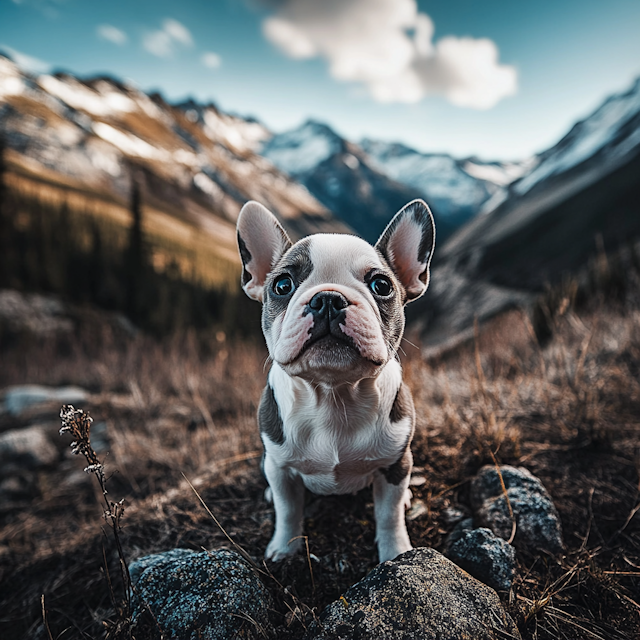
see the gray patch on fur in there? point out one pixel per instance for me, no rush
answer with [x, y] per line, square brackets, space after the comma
[402, 405]
[269, 419]
[296, 262]
[391, 308]
[400, 469]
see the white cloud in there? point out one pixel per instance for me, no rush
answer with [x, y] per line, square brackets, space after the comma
[387, 45]
[164, 42]
[24, 61]
[211, 60]
[178, 32]
[112, 34]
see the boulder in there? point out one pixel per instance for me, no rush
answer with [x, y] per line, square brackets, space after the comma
[538, 525]
[485, 556]
[200, 595]
[27, 448]
[421, 595]
[19, 398]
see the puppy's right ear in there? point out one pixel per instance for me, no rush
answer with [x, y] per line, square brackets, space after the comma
[261, 241]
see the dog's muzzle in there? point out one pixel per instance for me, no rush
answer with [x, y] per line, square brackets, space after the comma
[328, 311]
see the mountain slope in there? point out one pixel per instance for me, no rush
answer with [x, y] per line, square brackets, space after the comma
[197, 165]
[582, 193]
[455, 189]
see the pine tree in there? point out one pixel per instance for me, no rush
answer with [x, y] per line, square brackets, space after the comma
[5, 222]
[135, 258]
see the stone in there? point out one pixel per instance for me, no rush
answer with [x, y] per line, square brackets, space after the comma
[201, 595]
[485, 556]
[19, 398]
[33, 313]
[421, 595]
[538, 525]
[27, 448]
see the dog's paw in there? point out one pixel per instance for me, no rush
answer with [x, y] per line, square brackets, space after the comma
[407, 499]
[279, 548]
[268, 495]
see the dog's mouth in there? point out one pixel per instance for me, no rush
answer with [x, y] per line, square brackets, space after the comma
[331, 348]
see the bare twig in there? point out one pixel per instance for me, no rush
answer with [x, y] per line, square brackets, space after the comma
[44, 619]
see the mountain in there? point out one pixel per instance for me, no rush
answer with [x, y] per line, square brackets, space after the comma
[82, 140]
[365, 184]
[579, 195]
[340, 175]
[455, 189]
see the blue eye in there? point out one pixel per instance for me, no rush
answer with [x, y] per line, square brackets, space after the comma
[283, 286]
[381, 286]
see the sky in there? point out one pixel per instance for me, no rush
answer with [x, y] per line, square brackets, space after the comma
[498, 79]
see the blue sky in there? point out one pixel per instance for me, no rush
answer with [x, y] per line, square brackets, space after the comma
[497, 79]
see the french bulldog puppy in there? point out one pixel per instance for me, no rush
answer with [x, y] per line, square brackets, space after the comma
[335, 415]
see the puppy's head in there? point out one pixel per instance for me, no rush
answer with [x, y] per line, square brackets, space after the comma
[333, 304]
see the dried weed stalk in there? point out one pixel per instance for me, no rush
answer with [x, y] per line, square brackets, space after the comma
[77, 423]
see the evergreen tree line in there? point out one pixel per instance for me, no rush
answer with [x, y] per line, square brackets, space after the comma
[84, 259]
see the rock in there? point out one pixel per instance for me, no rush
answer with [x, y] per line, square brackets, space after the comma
[485, 556]
[19, 398]
[418, 596]
[33, 313]
[27, 448]
[538, 526]
[192, 595]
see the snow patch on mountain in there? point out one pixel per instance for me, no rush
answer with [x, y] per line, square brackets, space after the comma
[588, 137]
[501, 174]
[301, 150]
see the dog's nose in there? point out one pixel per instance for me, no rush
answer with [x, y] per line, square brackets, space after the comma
[327, 303]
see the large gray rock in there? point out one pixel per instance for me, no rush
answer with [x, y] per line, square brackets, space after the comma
[19, 398]
[418, 596]
[27, 448]
[485, 556]
[201, 595]
[538, 526]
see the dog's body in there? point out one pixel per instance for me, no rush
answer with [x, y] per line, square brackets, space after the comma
[335, 415]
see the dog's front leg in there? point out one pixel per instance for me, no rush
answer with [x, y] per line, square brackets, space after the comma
[288, 501]
[390, 492]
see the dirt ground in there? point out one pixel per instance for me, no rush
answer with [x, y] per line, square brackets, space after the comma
[568, 411]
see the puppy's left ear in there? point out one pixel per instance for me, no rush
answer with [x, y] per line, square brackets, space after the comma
[407, 245]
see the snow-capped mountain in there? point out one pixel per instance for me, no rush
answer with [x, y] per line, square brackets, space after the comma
[199, 164]
[579, 195]
[340, 175]
[456, 189]
[365, 183]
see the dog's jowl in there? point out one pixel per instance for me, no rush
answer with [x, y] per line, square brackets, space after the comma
[335, 415]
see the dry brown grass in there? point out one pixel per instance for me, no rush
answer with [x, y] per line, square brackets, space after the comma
[568, 412]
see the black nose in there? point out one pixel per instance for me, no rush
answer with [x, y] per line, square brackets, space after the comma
[327, 303]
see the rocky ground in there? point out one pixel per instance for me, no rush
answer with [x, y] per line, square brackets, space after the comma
[174, 425]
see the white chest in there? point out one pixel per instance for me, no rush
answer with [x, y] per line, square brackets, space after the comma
[336, 441]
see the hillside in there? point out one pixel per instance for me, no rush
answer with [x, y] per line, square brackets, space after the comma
[166, 411]
[579, 199]
[81, 140]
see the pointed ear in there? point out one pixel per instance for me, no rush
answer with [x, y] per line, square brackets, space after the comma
[407, 245]
[261, 241]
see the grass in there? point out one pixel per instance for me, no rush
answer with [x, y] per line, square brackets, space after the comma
[181, 412]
